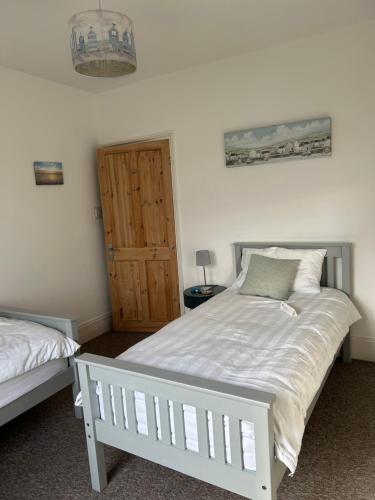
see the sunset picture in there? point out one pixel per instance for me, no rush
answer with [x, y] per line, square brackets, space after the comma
[48, 173]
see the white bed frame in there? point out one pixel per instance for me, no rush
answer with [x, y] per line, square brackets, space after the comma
[238, 403]
[68, 376]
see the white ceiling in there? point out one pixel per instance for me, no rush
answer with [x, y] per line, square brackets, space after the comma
[170, 34]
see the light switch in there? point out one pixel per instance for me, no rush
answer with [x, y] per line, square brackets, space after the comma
[98, 213]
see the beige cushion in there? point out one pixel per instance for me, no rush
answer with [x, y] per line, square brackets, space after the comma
[268, 277]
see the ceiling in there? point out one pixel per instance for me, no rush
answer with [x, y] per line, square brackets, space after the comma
[170, 34]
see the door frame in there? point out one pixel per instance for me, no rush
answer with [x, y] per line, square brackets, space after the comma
[170, 135]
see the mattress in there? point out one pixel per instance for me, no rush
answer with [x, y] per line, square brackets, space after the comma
[16, 387]
[252, 342]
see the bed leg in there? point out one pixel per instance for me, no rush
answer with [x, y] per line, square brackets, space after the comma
[346, 351]
[78, 411]
[91, 411]
[266, 472]
[97, 464]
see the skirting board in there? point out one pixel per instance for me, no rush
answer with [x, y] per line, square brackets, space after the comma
[363, 348]
[94, 327]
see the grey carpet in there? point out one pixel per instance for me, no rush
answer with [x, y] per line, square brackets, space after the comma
[43, 453]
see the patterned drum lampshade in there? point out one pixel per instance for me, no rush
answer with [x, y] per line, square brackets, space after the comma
[102, 43]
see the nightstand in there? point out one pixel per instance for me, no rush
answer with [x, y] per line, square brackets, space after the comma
[193, 299]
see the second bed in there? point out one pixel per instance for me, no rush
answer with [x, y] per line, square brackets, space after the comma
[226, 389]
[250, 341]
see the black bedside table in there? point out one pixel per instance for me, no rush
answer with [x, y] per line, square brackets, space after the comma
[192, 299]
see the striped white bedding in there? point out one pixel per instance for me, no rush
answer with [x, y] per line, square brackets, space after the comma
[250, 341]
[16, 387]
[25, 345]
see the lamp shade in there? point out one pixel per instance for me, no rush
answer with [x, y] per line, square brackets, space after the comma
[203, 258]
[102, 43]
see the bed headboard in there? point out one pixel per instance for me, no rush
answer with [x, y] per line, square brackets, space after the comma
[337, 263]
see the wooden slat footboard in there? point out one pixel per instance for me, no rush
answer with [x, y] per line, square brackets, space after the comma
[119, 428]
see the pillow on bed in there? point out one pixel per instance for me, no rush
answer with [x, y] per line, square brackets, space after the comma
[245, 260]
[248, 252]
[309, 271]
[268, 277]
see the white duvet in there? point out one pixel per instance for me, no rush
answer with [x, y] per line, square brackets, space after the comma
[251, 341]
[25, 345]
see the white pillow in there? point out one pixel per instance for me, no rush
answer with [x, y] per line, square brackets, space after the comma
[245, 261]
[309, 271]
[248, 252]
[310, 268]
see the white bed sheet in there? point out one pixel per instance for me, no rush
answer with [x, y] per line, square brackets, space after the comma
[16, 387]
[250, 341]
[25, 345]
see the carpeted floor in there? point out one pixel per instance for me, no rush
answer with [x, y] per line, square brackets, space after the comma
[43, 452]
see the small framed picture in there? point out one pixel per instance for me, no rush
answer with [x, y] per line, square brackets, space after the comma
[48, 173]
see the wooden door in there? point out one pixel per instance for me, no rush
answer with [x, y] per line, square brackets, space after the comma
[136, 191]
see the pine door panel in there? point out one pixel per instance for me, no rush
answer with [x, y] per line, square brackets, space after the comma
[152, 199]
[125, 201]
[127, 274]
[159, 287]
[136, 191]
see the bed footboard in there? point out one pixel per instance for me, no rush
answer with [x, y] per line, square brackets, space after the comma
[120, 379]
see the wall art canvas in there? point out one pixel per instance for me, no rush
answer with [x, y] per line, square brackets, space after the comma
[287, 141]
[48, 173]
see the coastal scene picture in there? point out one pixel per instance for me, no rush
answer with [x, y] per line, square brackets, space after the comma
[48, 173]
[287, 141]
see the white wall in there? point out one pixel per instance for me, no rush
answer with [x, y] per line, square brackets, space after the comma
[320, 199]
[51, 255]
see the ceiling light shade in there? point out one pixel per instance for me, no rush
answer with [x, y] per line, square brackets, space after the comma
[102, 43]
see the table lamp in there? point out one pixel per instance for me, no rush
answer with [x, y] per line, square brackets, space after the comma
[203, 259]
